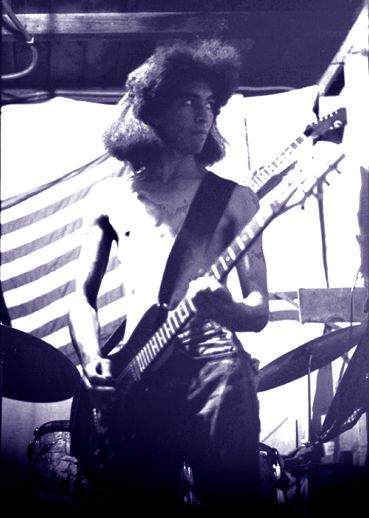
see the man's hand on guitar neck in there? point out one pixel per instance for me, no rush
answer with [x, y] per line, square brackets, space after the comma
[212, 300]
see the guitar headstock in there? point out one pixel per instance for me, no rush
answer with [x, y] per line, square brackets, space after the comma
[311, 173]
[330, 127]
[300, 182]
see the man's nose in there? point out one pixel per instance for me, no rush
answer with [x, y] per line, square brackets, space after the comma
[203, 113]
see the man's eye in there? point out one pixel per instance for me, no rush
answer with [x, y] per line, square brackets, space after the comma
[187, 101]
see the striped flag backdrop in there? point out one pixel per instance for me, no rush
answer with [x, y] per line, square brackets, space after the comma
[40, 244]
[41, 229]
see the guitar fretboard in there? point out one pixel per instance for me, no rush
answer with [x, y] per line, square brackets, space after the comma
[262, 175]
[176, 319]
[326, 124]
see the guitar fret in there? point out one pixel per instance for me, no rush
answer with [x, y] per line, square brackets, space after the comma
[147, 352]
[192, 308]
[141, 361]
[257, 177]
[155, 348]
[182, 312]
[240, 243]
[264, 172]
[223, 262]
[220, 268]
[168, 328]
[215, 271]
[231, 252]
[173, 320]
[248, 233]
[161, 338]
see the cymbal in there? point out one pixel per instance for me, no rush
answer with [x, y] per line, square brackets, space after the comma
[34, 370]
[295, 363]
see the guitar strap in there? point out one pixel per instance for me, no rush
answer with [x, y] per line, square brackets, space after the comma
[188, 254]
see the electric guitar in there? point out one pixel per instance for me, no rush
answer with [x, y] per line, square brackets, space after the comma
[329, 127]
[96, 431]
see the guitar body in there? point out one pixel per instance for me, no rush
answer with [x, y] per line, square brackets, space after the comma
[100, 429]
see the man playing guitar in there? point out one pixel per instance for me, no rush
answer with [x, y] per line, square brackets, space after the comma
[200, 404]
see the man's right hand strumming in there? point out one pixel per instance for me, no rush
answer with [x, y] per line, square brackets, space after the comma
[97, 376]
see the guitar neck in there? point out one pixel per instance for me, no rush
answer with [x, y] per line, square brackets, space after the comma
[261, 176]
[321, 129]
[242, 242]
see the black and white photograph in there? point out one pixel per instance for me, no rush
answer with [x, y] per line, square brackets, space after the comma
[140, 375]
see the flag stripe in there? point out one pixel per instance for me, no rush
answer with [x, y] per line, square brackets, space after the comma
[39, 256]
[44, 269]
[52, 280]
[58, 323]
[37, 303]
[30, 219]
[15, 201]
[41, 240]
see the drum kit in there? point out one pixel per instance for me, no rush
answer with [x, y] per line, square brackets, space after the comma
[308, 357]
[34, 371]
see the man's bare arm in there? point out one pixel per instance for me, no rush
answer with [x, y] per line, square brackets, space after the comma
[83, 320]
[214, 301]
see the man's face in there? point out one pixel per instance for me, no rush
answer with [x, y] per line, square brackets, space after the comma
[186, 123]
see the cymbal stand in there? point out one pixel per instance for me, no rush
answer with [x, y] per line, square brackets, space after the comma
[300, 513]
[309, 399]
[310, 441]
[1, 396]
[1, 411]
[298, 476]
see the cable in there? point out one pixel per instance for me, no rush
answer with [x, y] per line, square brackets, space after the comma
[28, 40]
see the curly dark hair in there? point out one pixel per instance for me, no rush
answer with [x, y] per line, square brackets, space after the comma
[153, 85]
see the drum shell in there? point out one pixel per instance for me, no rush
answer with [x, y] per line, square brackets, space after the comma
[54, 473]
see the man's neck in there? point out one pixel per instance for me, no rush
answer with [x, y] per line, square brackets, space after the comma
[171, 168]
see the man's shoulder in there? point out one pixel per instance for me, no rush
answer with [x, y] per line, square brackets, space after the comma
[112, 186]
[242, 194]
[106, 195]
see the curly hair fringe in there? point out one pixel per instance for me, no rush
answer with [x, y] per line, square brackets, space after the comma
[150, 88]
